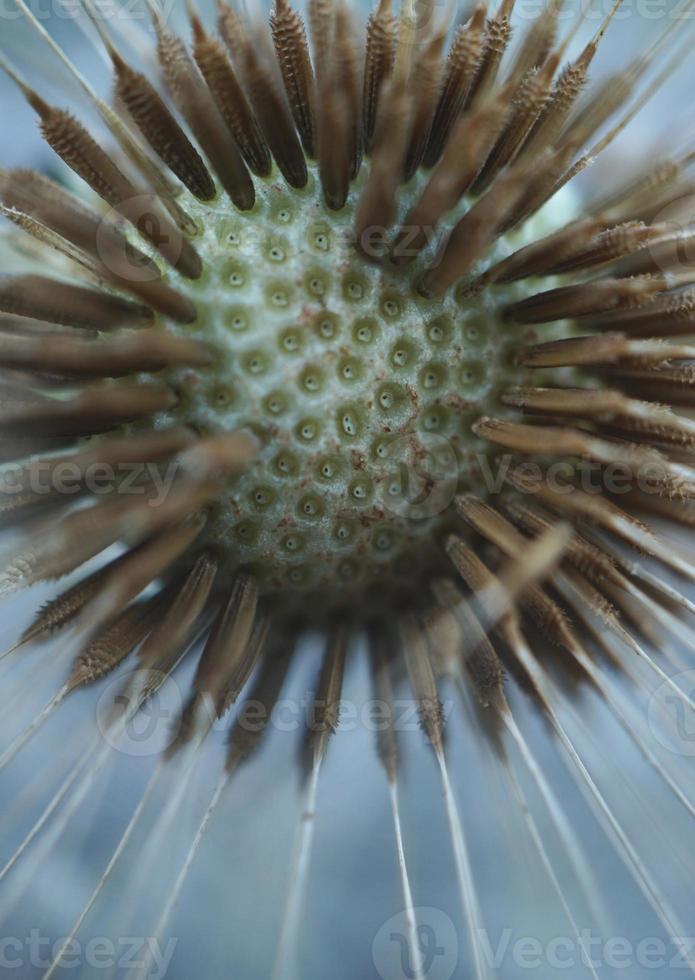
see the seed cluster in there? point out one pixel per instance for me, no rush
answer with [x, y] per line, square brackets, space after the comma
[361, 391]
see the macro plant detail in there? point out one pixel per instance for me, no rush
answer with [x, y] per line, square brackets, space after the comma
[329, 324]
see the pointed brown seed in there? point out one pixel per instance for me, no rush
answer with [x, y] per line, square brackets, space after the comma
[473, 234]
[479, 656]
[347, 77]
[59, 612]
[536, 46]
[671, 315]
[326, 714]
[94, 409]
[556, 248]
[498, 32]
[81, 153]
[145, 565]
[222, 663]
[114, 643]
[162, 132]
[196, 106]
[568, 88]
[59, 302]
[322, 29]
[230, 99]
[246, 734]
[145, 350]
[292, 51]
[423, 683]
[386, 736]
[36, 480]
[51, 204]
[527, 103]
[585, 299]
[462, 64]
[378, 64]
[604, 407]
[115, 258]
[604, 349]
[334, 151]
[268, 102]
[378, 202]
[424, 85]
[463, 156]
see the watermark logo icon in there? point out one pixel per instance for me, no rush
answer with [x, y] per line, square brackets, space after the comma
[136, 729]
[421, 476]
[437, 942]
[671, 718]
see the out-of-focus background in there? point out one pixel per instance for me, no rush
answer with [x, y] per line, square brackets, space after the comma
[227, 921]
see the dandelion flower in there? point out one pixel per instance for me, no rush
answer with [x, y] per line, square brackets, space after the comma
[320, 343]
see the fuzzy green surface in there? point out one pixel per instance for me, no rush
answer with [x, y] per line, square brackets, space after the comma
[362, 392]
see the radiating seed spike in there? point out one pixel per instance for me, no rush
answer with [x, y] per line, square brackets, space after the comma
[196, 106]
[498, 32]
[423, 682]
[74, 145]
[424, 85]
[568, 88]
[328, 692]
[33, 481]
[473, 234]
[526, 105]
[94, 409]
[462, 64]
[161, 130]
[228, 646]
[132, 149]
[378, 202]
[152, 559]
[53, 241]
[605, 406]
[564, 442]
[230, 99]
[145, 350]
[112, 645]
[480, 658]
[538, 42]
[268, 102]
[386, 735]
[59, 612]
[245, 738]
[463, 156]
[378, 65]
[253, 653]
[115, 259]
[587, 299]
[63, 303]
[291, 48]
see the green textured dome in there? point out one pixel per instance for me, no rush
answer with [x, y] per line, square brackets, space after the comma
[362, 391]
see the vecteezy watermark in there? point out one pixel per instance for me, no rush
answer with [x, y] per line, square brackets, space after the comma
[671, 717]
[587, 949]
[420, 476]
[145, 726]
[69, 478]
[430, 936]
[103, 10]
[37, 952]
[140, 716]
[437, 944]
[423, 479]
